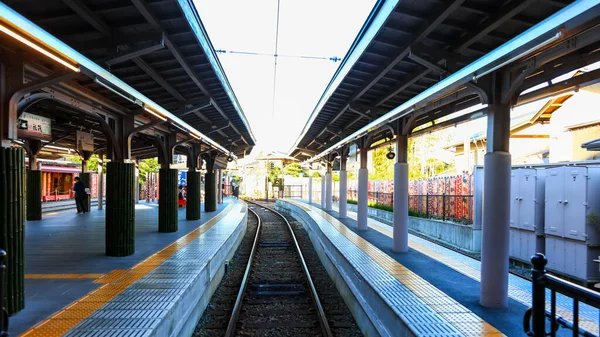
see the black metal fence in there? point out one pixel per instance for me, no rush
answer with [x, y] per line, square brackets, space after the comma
[534, 322]
[457, 208]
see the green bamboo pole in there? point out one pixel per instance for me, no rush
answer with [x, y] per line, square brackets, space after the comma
[12, 218]
[210, 192]
[192, 211]
[167, 200]
[34, 195]
[120, 209]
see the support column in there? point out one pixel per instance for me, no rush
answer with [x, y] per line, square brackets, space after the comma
[343, 206]
[220, 186]
[323, 191]
[33, 190]
[328, 188]
[100, 182]
[310, 189]
[12, 220]
[120, 209]
[85, 176]
[168, 207]
[496, 206]
[210, 191]
[137, 183]
[192, 210]
[400, 236]
[363, 191]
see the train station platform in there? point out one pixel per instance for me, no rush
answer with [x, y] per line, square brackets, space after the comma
[443, 283]
[72, 288]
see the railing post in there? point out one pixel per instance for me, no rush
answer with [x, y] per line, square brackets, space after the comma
[427, 205]
[538, 298]
[3, 312]
[444, 207]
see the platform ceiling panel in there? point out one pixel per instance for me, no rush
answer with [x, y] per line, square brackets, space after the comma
[419, 44]
[152, 46]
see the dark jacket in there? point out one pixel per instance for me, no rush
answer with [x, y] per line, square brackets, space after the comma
[79, 189]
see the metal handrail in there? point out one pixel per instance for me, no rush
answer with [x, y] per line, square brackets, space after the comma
[537, 314]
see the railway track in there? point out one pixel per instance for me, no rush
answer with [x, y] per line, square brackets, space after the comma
[277, 296]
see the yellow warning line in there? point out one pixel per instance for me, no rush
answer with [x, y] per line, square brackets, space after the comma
[66, 319]
[476, 275]
[62, 276]
[452, 311]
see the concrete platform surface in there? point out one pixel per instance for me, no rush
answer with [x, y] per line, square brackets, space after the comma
[409, 304]
[64, 257]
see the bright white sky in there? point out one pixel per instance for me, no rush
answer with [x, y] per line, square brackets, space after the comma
[306, 27]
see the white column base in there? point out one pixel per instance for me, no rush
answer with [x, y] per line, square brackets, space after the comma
[496, 230]
[328, 192]
[310, 189]
[400, 237]
[343, 209]
[323, 192]
[363, 198]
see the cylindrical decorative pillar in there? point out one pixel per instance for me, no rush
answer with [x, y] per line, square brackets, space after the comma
[192, 211]
[137, 186]
[363, 198]
[100, 188]
[328, 191]
[400, 238]
[496, 230]
[323, 192]
[120, 209]
[220, 186]
[343, 209]
[34, 195]
[86, 179]
[210, 193]
[12, 219]
[310, 189]
[167, 200]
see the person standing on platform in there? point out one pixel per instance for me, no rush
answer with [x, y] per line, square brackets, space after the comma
[80, 196]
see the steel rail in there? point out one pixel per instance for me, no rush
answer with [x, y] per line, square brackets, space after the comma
[313, 291]
[235, 314]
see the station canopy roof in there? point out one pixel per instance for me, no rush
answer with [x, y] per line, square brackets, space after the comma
[159, 48]
[406, 47]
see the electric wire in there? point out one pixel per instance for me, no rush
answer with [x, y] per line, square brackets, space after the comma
[275, 63]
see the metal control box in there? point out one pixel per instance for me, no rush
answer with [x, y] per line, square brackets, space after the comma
[572, 221]
[527, 192]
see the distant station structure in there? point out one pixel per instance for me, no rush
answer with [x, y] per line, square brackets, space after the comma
[126, 80]
[415, 63]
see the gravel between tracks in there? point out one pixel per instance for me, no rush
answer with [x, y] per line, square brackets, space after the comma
[216, 316]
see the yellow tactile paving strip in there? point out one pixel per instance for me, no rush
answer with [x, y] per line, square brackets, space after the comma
[63, 276]
[476, 275]
[454, 313]
[116, 282]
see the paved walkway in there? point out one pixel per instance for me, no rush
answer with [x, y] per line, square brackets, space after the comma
[459, 276]
[64, 257]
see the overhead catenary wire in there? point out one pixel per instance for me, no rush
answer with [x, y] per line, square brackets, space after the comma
[275, 63]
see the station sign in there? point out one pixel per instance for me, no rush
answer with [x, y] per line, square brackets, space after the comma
[85, 141]
[352, 153]
[34, 127]
[181, 178]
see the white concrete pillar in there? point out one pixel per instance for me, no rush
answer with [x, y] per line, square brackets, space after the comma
[310, 189]
[363, 197]
[323, 192]
[496, 230]
[343, 209]
[328, 191]
[400, 237]
[100, 183]
[496, 207]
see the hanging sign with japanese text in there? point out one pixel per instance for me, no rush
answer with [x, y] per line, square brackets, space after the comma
[85, 141]
[34, 127]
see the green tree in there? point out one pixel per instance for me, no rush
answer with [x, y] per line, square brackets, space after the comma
[294, 170]
[92, 163]
[316, 175]
[275, 176]
[383, 168]
[146, 166]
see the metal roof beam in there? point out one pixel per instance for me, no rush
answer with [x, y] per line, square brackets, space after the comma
[155, 76]
[132, 53]
[89, 16]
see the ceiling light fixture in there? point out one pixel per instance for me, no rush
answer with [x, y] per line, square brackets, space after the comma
[40, 49]
[155, 114]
